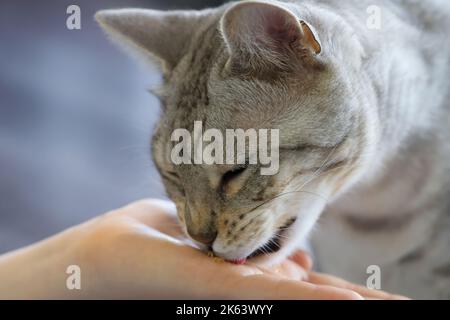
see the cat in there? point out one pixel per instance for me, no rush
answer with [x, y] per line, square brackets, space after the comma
[364, 119]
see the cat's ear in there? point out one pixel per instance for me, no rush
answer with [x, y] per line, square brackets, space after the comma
[266, 31]
[163, 35]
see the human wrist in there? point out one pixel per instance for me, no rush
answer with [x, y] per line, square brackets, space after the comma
[39, 270]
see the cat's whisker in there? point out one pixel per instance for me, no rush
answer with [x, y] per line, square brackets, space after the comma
[316, 175]
[282, 236]
[335, 168]
[282, 194]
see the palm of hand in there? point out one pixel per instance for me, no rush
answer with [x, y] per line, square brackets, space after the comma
[142, 254]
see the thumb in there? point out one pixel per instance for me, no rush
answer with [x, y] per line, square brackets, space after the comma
[303, 259]
[263, 286]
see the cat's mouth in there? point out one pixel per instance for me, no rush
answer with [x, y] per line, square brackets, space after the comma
[275, 243]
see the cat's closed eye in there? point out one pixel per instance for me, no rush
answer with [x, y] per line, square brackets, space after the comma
[230, 176]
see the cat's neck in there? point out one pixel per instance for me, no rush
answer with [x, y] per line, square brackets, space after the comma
[401, 77]
[405, 63]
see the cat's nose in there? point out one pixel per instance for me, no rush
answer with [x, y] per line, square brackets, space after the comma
[205, 237]
[205, 234]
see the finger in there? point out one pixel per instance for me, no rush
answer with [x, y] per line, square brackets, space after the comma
[324, 279]
[287, 269]
[154, 213]
[270, 287]
[302, 258]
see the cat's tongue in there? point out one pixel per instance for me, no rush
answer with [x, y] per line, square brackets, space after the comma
[238, 261]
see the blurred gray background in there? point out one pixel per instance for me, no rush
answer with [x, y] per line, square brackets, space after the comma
[75, 119]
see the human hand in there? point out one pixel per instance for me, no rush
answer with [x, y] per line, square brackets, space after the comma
[138, 252]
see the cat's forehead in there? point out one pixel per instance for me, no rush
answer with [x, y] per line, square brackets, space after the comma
[186, 89]
[304, 105]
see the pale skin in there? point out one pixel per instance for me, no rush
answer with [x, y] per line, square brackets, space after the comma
[137, 252]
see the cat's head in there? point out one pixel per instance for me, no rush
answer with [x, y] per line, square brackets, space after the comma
[254, 65]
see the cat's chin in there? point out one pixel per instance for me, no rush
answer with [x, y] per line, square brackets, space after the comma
[271, 259]
[273, 252]
[276, 250]
[288, 242]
